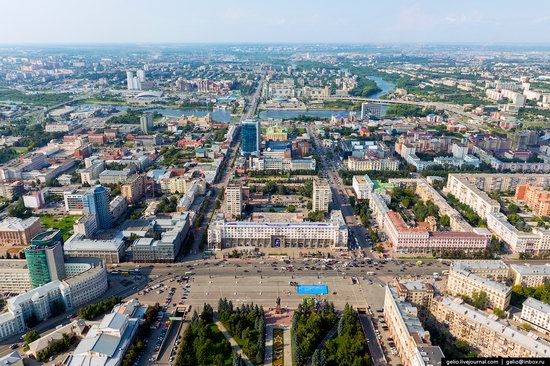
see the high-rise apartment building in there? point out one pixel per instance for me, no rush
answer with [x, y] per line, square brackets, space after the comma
[146, 122]
[134, 188]
[45, 259]
[234, 199]
[250, 133]
[322, 195]
[141, 75]
[96, 203]
[133, 82]
[129, 80]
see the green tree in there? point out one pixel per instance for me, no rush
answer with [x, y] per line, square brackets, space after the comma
[444, 221]
[31, 336]
[480, 299]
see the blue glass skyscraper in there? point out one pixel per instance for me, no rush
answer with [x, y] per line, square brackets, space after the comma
[96, 203]
[250, 137]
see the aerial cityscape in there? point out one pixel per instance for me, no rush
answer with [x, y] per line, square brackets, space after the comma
[253, 190]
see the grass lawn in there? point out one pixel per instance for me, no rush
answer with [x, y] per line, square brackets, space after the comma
[63, 223]
[21, 149]
[218, 337]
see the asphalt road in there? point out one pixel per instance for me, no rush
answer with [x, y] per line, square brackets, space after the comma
[340, 198]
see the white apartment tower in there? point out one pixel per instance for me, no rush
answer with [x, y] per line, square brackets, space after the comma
[322, 195]
[234, 199]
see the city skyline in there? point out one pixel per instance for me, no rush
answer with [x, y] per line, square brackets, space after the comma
[246, 21]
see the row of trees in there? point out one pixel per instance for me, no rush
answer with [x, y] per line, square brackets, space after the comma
[349, 347]
[144, 331]
[56, 347]
[381, 175]
[310, 322]
[91, 311]
[466, 211]
[247, 325]
[203, 344]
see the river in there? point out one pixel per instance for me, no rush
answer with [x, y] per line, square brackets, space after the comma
[386, 87]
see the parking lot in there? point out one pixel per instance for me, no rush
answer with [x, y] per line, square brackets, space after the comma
[171, 294]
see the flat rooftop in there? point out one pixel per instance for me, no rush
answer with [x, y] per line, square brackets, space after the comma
[532, 270]
[537, 305]
[473, 265]
[490, 321]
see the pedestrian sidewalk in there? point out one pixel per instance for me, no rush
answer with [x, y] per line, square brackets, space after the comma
[234, 345]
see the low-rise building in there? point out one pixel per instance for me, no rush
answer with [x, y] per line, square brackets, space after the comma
[172, 231]
[114, 176]
[530, 275]
[332, 234]
[463, 282]
[536, 314]
[75, 328]
[487, 335]
[111, 251]
[422, 239]
[12, 359]
[106, 343]
[15, 231]
[356, 164]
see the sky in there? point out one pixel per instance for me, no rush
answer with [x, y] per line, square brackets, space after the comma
[274, 21]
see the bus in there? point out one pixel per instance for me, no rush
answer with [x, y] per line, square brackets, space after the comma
[370, 273]
[189, 273]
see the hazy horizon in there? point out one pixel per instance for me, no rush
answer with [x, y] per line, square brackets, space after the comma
[57, 22]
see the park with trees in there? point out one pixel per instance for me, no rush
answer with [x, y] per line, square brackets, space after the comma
[310, 323]
[203, 344]
[348, 347]
[247, 325]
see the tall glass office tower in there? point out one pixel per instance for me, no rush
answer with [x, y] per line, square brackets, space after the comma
[250, 137]
[96, 203]
[45, 259]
